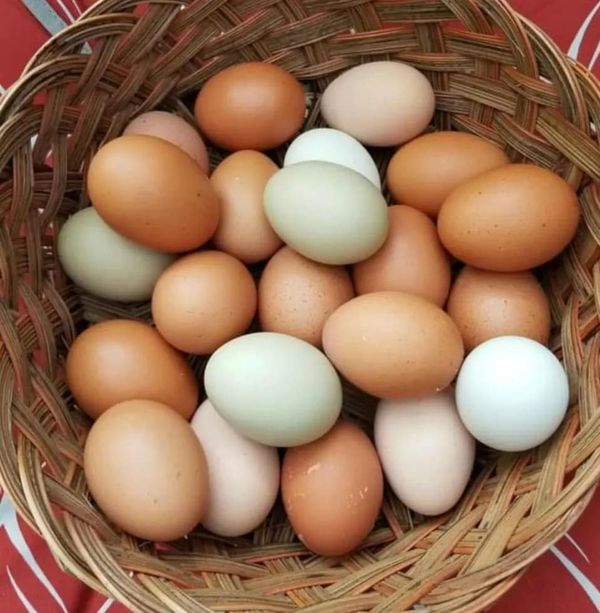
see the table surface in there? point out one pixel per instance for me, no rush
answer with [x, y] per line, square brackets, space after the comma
[564, 580]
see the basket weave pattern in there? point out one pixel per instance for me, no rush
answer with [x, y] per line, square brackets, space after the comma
[495, 75]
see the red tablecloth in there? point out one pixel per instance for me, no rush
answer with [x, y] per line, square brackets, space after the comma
[565, 580]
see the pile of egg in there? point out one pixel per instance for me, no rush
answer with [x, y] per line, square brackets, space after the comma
[347, 288]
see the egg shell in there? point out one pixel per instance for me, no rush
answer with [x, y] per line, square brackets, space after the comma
[146, 470]
[151, 192]
[203, 300]
[106, 264]
[393, 344]
[243, 230]
[512, 393]
[297, 295]
[326, 212]
[243, 475]
[274, 388]
[411, 260]
[329, 145]
[379, 103]
[423, 172]
[119, 360]
[172, 128]
[509, 219]
[332, 490]
[250, 106]
[486, 304]
[426, 452]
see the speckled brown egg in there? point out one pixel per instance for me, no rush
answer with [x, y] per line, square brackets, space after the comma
[411, 260]
[486, 304]
[120, 360]
[297, 295]
[509, 219]
[332, 490]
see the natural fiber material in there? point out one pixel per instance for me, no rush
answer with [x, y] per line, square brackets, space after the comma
[496, 75]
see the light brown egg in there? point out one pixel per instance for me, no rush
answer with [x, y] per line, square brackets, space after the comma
[297, 295]
[120, 360]
[146, 470]
[332, 490]
[243, 230]
[203, 300]
[250, 106]
[509, 219]
[423, 172]
[151, 192]
[174, 129]
[486, 304]
[411, 260]
[393, 344]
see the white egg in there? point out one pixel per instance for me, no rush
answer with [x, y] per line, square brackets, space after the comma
[512, 393]
[329, 145]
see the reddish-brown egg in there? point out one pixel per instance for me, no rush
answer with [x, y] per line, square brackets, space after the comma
[153, 193]
[120, 360]
[243, 230]
[411, 260]
[332, 490]
[509, 219]
[486, 304]
[393, 344]
[297, 295]
[203, 300]
[423, 172]
[250, 106]
[146, 470]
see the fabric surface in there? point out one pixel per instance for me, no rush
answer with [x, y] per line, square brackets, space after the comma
[565, 580]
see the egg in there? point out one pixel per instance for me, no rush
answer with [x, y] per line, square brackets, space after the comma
[326, 212]
[512, 393]
[119, 360]
[411, 260]
[426, 452]
[146, 470]
[243, 475]
[332, 490]
[243, 231]
[487, 304]
[328, 145]
[275, 389]
[174, 129]
[250, 106]
[151, 192]
[423, 172]
[509, 219]
[106, 264]
[379, 103]
[393, 344]
[203, 300]
[297, 295]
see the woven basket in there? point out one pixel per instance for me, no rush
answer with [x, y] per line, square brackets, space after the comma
[496, 75]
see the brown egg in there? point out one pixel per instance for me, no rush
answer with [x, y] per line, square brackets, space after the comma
[393, 344]
[411, 260]
[250, 106]
[243, 230]
[486, 304]
[297, 295]
[332, 490]
[153, 193]
[121, 360]
[423, 172]
[146, 470]
[172, 128]
[203, 300]
[509, 219]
